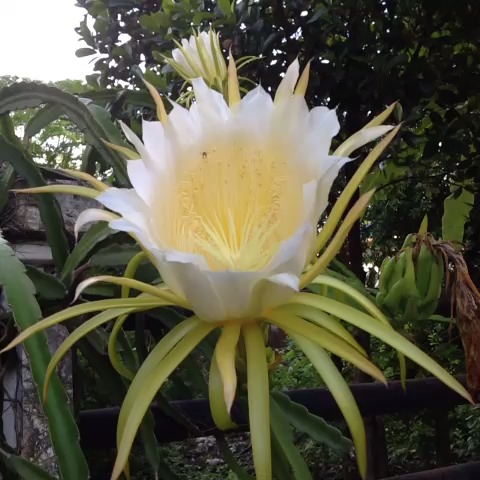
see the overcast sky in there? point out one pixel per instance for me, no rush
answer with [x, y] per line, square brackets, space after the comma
[37, 40]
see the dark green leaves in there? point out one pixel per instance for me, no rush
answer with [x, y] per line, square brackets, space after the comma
[28, 95]
[85, 52]
[20, 294]
[25, 469]
[302, 420]
[283, 435]
[94, 235]
[47, 286]
[456, 210]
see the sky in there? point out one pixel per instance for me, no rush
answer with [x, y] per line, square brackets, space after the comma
[38, 40]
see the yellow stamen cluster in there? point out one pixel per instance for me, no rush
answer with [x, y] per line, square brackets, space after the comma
[228, 206]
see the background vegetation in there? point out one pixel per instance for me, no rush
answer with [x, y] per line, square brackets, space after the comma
[364, 55]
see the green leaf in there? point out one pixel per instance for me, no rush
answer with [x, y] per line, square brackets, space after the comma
[85, 52]
[46, 285]
[121, 3]
[280, 464]
[24, 468]
[104, 118]
[155, 21]
[114, 386]
[231, 461]
[91, 157]
[41, 119]
[92, 237]
[321, 10]
[20, 294]
[50, 212]
[114, 255]
[382, 175]
[225, 7]
[159, 365]
[29, 95]
[6, 183]
[282, 432]
[165, 471]
[304, 421]
[341, 393]
[456, 210]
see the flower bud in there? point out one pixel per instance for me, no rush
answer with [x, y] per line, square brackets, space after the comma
[200, 56]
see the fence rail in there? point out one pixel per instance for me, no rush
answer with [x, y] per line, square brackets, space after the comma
[465, 471]
[97, 427]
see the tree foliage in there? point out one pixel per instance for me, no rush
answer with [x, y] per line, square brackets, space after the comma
[57, 143]
[364, 55]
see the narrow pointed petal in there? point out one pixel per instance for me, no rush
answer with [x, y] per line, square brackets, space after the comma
[297, 326]
[345, 197]
[68, 189]
[325, 321]
[92, 215]
[74, 337]
[225, 356]
[86, 177]
[161, 293]
[129, 153]
[258, 400]
[233, 88]
[343, 397]
[379, 119]
[151, 376]
[361, 299]
[334, 246]
[369, 306]
[216, 398]
[285, 89]
[389, 336]
[302, 84]
[361, 138]
[137, 303]
[161, 112]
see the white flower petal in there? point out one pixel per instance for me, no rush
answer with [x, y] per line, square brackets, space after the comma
[139, 227]
[290, 120]
[196, 286]
[227, 202]
[181, 120]
[325, 185]
[324, 125]
[143, 180]
[124, 201]
[210, 104]
[273, 291]
[179, 57]
[92, 215]
[135, 141]
[223, 296]
[157, 146]
[287, 85]
[255, 110]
